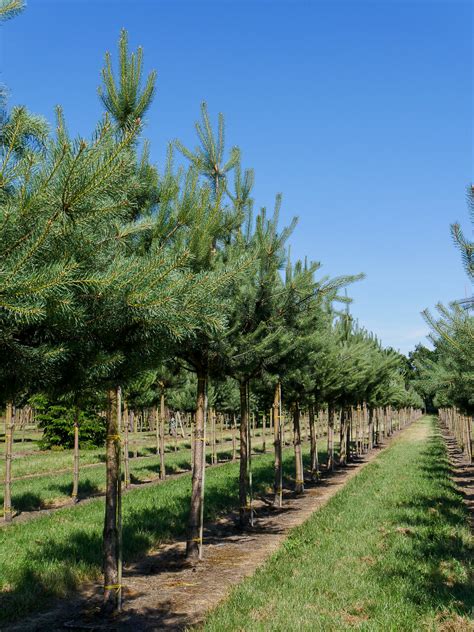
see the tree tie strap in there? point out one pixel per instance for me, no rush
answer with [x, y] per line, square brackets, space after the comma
[196, 540]
[115, 587]
[114, 437]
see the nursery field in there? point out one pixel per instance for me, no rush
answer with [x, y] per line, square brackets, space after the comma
[53, 555]
[43, 479]
[198, 430]
[392, 551]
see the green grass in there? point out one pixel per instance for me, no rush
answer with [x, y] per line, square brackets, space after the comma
[52, 555]
[54, 487]
[391, 551]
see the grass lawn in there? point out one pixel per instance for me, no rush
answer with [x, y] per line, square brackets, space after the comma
[52, 555]
[391, 552]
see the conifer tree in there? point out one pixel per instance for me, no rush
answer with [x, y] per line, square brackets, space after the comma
[215, 222]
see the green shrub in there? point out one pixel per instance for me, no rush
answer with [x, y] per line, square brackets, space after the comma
[57, 422]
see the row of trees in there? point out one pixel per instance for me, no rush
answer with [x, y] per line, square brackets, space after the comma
[444, 375]
[117, 279]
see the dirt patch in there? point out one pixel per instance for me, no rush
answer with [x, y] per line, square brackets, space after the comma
[164, 592]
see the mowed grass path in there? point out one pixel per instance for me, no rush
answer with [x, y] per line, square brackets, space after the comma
[391, 551]
[52, 555]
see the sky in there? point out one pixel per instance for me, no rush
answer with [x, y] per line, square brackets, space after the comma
[359, 113]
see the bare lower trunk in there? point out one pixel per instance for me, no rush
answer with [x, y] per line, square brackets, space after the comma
[264, 431]
[277, 430]
[244, 511]
[234, 438]
[370, 427]
[162, 437]
[157, 429]
[313, 439]
[342, 438]
[194, 541]
[126, 459]
[330, 457]
[112, 524]
[75, 479]
[9, 430]
[299, 476]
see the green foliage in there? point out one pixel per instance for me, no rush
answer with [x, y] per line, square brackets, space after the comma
[124, 97]
[57, 423]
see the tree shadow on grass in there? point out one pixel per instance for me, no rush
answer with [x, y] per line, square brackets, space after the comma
[26, 501]
[87, 488]
[55, 567]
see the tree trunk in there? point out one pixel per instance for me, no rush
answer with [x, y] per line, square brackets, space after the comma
[244, 511]
[162, 436]
[126, 456]
[313, 443]
[277, 430]
[234, 438]
[342, 438]
[75, 480]
[157, 429]
[370, 426]
[299, 474]
[112, 523]
[194, 541]
[330, 457]
[9, 430]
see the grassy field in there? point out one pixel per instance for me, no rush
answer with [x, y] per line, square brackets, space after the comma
[52, 555]
[391, 551]
[51, 486]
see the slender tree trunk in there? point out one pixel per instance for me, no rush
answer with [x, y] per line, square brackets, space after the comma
[264, 431]
[313, 439]
[234, 437]
[162, 436]
[299, 474]
[194, 541]
[277, 430]
[370, 426]
[126, 456]
[112, 523]
[330, 457]
[342, 438]
[244, 511]
[212, 414]
[75, 480]
[134, 433]
[9, 430]
[157, 429]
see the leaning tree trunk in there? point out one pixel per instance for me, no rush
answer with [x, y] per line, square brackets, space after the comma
[195, 526]
[9, 429]
[313, 439]
[113, 520]
[244, 511]
[278, 481]
[75, 479]
[330, 457]
[299, 475]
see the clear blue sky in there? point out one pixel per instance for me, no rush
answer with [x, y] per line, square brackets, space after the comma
[360, 113]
